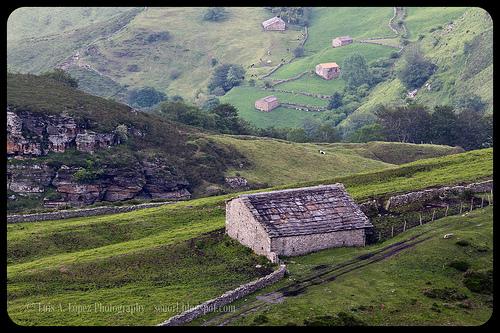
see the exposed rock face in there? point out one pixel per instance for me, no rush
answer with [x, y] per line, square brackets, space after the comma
[115, 184]
[236, 182]
[90, 141]
[29, 179]
[433, 193]
[74, 192]
[162, 182]
[38, 134]
[31, 135]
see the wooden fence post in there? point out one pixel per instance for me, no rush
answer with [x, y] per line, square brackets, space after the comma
[460, 207]
[433, 213]
[447, 207]
[471, 204]
[392, 231]
[482, 201]
[404, 226]
[420, 218]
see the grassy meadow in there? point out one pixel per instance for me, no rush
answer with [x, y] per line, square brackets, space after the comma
[167, 254]
[277, 162]
[393, 291]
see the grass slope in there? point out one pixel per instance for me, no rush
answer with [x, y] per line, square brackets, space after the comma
[276, 162]
[391, 291]
[61, 261]
[457, 73]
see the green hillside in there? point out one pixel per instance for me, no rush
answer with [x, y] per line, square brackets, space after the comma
[459, 72]
[276, 162]
[160, 255]
[174, 50]
[397, 290]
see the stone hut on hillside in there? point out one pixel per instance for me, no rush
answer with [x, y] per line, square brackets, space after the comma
[274, 24]
[297, 221]
[341, 41]
[267, 103]
[328, 70]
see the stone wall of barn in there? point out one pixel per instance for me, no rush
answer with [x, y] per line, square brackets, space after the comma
[242, 226]
[302, 244]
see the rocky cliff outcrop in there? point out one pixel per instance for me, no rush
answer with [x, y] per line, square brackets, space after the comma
[35, 134]
[32, 135]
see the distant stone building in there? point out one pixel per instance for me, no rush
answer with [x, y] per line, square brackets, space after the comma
[274, 23]
[297, 221]
[328, 70]
[267, 103]
[341, 41]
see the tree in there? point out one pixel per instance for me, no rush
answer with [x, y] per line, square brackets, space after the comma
[298, 52]
[210, 103]
[475, 131]
[215, 14]
[335, 101]
[296, 135]
[416, 69]
[146, 97]
[443, 128]
[122, 132]
[226, 76]
[404, 123]
[60, 75]
[470, 101]
[367, 133]
[355, 70]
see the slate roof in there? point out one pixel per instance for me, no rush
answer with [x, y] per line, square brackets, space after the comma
[329, 65]
[268, 99]
[344, 38]
[272, 20]
[305, 211]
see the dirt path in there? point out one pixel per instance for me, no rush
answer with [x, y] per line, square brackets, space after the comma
[321, 274]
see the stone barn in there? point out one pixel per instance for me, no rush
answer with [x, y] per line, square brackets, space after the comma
[297, 221]
[267, 103]
[328, 70]
[341, 41]
[275, 23]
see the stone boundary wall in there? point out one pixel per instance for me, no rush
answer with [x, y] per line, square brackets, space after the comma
[300, 93]
[66, 214]
[425, 195]
[430, 194]
[301, 107]
[226, 298]
[296, 77]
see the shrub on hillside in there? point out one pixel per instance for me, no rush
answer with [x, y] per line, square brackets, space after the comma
[215, 14]
[60, 75]
[226, 76]
[161, 36]
[133, 68]
[146, 97]
[479, 282]
[341, 319]
[298, 52]
[463, 242]
[355, 70]
[335, 101]
[446, 294]
[174, 74]
[416, 69]
[460, 265]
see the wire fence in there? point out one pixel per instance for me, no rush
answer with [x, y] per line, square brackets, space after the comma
[390, 225]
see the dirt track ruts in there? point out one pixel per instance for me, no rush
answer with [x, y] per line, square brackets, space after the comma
[325, 274]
